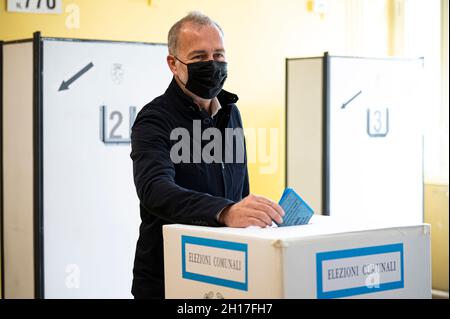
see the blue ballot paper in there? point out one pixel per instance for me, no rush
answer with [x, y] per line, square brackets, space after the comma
[297, 211]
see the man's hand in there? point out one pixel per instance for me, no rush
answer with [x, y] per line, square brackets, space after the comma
[253, 210]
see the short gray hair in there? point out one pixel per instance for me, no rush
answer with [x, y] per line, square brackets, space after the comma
[194, 17]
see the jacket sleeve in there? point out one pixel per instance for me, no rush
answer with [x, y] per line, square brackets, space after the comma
[246, 188]
[154, 177]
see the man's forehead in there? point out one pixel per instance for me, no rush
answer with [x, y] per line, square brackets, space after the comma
[196, 29]
[193, 37]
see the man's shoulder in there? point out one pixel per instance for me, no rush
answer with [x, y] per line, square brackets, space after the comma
[158, 106]
[235, 116]
[156, 113]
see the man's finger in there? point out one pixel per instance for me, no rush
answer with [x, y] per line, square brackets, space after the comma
[256, 222]
[268, 210]
[272, 204]
[261, 215]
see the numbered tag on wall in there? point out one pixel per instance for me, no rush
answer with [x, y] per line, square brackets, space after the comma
[115, 125]
[35, 6]
[377, 122]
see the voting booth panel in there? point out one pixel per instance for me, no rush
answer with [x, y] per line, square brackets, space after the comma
[328, 258]
[81, 203]
[354, 138]
[17, 171]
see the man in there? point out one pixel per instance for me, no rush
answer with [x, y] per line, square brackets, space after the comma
[194, 191]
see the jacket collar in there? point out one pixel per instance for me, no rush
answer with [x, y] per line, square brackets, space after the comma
[225, 98]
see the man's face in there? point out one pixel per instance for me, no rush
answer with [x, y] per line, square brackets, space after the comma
[195, 44]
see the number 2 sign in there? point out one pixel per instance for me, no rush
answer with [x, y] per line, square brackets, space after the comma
[111, 123]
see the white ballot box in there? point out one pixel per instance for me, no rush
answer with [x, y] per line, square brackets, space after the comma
[328, 258]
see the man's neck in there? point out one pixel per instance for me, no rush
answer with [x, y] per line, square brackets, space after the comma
[203, 103]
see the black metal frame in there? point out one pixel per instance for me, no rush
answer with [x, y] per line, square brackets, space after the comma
[2, 246]
[38, 186]
[326, 135]
[17, 41]
[100, 41]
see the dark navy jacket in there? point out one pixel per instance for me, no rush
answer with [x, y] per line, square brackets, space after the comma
[187, 193]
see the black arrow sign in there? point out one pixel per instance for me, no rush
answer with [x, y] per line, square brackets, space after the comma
[65, 84]
[353, 97]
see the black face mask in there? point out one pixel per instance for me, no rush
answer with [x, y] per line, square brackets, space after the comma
[206, 79]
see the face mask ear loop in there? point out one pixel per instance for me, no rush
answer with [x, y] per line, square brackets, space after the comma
[179, 60]
[177, 75]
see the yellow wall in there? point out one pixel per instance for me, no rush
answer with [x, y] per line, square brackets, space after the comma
[436, 213]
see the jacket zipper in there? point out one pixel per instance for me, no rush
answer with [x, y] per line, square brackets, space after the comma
[222, 168]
